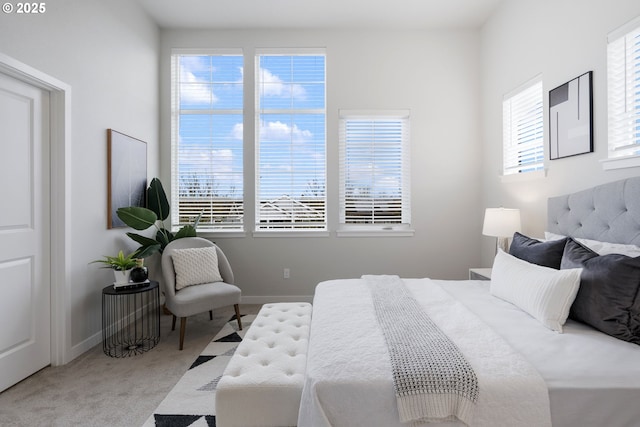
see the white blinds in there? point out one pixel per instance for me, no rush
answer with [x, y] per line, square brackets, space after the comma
[523, 130]
[290, 140]
[374, 168]
[623, 77]
[207, 140]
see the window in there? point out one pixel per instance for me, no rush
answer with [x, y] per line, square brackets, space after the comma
[623, 76]
[290, 140]
[374, 170]
[523, 129]
[206, 139]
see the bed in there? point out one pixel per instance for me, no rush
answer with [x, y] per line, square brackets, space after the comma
[528, 373]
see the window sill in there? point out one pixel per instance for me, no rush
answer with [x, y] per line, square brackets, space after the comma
[620, 162]
[221, 234]
[524, 176]
[293, 233]
[375, 232]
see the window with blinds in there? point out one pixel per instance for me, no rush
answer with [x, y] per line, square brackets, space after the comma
[523, 129]
[623, 77]
[374, 169]
[207, 139]
[290, 140]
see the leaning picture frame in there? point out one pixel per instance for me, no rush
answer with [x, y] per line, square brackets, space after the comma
[127, 174]
[571, 118]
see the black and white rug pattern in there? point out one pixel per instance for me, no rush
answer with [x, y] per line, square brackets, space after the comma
[191, 402]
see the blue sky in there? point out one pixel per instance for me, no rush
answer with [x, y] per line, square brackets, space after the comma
[214, 83]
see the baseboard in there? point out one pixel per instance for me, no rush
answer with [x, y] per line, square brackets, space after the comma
[96, 338]
[85, 345]
[266, 299]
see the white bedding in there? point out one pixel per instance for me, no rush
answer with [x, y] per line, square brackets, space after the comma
[593, 380]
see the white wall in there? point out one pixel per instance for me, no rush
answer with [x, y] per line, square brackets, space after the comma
[561, 39]
[453, 82]
[436, 76]
[107, 51]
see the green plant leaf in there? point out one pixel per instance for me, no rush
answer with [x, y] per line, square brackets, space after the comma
[145, 251]
[147, 247]
[186, 231]
[119, 262]
[137, 217]
[157, 212]
[164, 237]
[143, 240]
[157, 199]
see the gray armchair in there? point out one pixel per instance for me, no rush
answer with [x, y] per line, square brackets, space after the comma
[199, 298]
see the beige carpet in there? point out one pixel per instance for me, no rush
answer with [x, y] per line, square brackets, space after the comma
[97, 390]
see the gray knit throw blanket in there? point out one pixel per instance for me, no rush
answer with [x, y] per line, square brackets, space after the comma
[432, 379]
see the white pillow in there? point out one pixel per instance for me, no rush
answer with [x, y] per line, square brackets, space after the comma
[195, 266]
[601, 248]
[545, 293]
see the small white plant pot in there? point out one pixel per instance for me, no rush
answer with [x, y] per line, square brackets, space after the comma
[121, 276]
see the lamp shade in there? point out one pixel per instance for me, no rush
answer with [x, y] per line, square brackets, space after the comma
[501, 222]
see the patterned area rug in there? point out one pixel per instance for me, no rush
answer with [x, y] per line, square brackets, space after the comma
[191, 402]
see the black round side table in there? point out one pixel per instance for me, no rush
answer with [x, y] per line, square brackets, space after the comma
[130, 319]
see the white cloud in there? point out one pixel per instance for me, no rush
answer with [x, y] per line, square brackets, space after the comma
[238, 131]
[199, 92]
[278, 131]
[373, 178]
[223, 161]
[274, 86]
[223, 168]
[221, 165]
[388, 183]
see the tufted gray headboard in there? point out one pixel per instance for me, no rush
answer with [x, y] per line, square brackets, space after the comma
[609, 213]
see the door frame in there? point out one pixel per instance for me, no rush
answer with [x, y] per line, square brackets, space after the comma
[60, 185]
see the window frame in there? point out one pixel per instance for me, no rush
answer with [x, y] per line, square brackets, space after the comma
[623, 95]
[375, 229]
[288, 229]
[228, 228]
[528, 96]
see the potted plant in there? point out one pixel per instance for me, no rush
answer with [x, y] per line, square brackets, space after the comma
[142, 218]
[121, 265]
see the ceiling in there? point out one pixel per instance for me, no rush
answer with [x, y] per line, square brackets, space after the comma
[325, 14]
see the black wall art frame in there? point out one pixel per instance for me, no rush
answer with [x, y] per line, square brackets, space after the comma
[571, 118]
[127, 174]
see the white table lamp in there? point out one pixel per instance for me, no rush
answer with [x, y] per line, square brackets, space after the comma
[501, 223]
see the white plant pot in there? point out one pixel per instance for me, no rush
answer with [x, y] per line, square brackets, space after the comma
[121, 276]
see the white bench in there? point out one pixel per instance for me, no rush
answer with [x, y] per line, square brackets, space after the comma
[262, 384]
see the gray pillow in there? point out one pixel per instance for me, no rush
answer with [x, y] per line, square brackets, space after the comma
[609, 295]
[547, 254]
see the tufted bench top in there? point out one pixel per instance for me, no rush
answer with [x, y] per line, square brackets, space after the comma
[262, 384]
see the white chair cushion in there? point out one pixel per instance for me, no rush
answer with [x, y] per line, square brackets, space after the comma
[201, 298]
[195, 266]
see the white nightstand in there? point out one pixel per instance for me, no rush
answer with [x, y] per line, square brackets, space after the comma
[480, 274]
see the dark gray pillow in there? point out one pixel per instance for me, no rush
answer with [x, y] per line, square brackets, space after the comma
[609, 295]
[547, 254]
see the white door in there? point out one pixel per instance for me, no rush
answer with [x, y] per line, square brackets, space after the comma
[25, 335]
